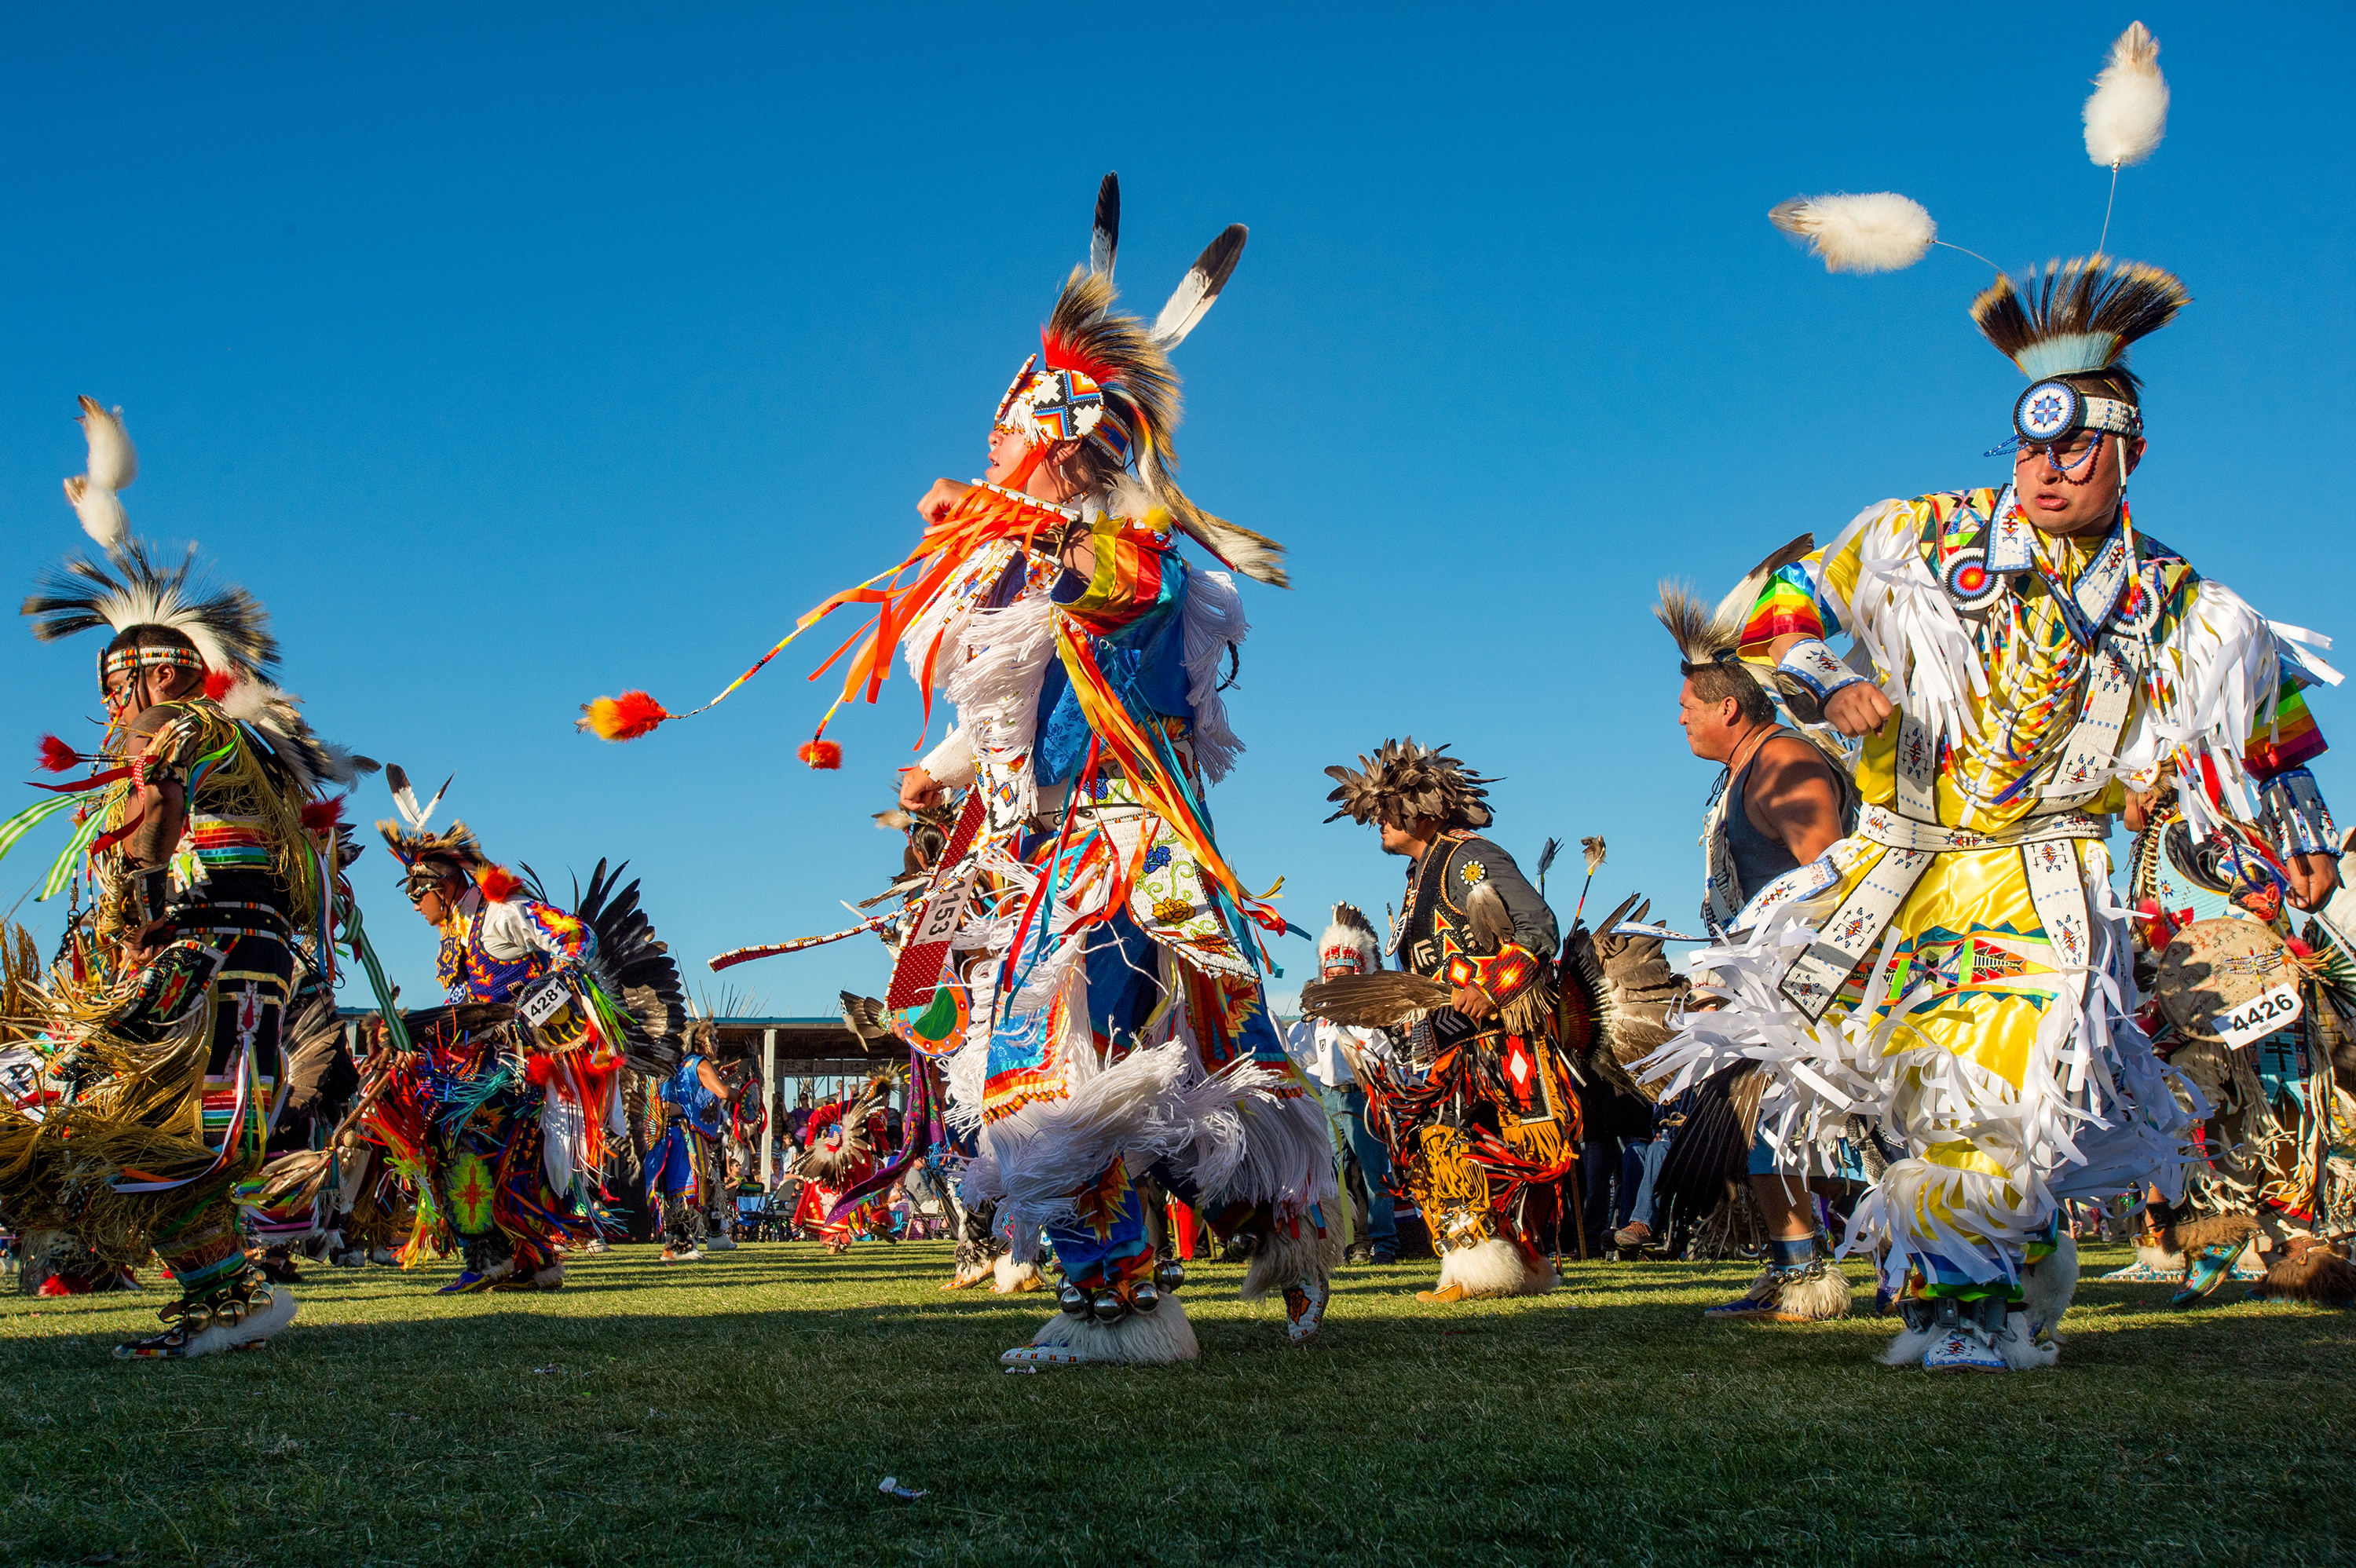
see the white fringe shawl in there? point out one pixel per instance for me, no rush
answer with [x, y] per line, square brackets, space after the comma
[2094, 1113]
[995, 686]
[1230, 1132]
[1214, 617]
[2215, 679]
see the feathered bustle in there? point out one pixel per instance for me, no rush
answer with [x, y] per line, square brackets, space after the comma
[1703, 636]
[1879, 231]
[2126, 114]
[1591, 850]
[2078, 315]
[623, 718]
[1402, 782]
[821, 754]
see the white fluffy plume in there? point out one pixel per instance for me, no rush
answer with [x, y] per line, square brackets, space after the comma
[2127, 112]
[113, 464]
[1877, 233]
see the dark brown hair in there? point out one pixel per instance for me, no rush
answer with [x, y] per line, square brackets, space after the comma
[1717, 682]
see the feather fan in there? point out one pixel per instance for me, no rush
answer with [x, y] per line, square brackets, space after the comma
[1390, 998]
[1880, 231]
[2126, 114]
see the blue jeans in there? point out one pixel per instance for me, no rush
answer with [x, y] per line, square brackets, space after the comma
[1639, 1206]
[1375, 1164]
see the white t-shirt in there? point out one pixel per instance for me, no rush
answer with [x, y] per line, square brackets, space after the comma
[1315, 1044]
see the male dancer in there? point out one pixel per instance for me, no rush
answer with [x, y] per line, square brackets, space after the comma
[1330, 1053]
[1780, 802]
[1961, 965]
[1083, 937]
[682, 1178]
[1495, 1119]
[208, 848]
[512, 1113]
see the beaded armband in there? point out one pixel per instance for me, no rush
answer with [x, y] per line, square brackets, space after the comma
[1813, 666]
[2291, 809]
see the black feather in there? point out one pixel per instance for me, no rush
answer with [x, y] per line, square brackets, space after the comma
[1105, 242]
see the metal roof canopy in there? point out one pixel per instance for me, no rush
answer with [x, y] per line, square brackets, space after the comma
[806, 1047]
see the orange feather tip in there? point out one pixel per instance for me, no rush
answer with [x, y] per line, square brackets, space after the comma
[623, 718]
[217, 682]
[499, 883]
[539, 1067]
[57, 757]
[818, 753]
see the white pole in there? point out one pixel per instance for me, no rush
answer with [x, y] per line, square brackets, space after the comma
[768, 1116]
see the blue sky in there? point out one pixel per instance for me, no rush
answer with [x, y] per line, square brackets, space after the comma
[516, 359]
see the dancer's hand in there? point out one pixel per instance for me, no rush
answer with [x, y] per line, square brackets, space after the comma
[2313, 879]
[918, 792]
[942, 500]
[1858, 709]
[1472, 1002]
[139, 948]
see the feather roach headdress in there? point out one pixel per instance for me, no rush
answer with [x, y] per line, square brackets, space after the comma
[2076, 318]
[1403, 781]
[1707, 636]
[1105, 379]
[128, 588]
[419, 849]
[222, 632]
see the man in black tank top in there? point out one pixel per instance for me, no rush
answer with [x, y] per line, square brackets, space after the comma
[1781, 805]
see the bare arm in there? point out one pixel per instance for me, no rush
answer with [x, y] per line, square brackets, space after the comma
[714, 1081]
[1794, 799]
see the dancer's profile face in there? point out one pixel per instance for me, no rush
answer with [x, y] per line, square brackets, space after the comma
[435, 897]
[1007, 450]
[1710, 727]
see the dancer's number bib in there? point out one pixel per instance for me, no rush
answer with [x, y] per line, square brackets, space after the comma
[2259, 1016]
[539, 1006]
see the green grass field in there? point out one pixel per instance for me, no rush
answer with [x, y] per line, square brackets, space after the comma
[744, 1410]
